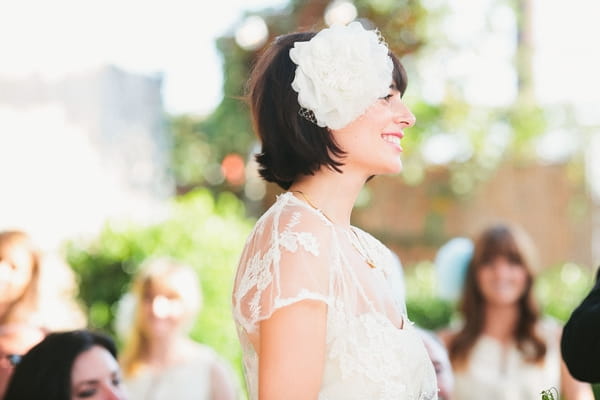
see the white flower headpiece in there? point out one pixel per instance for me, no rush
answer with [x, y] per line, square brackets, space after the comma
[340, 72]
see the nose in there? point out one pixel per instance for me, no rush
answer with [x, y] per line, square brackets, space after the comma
[501, 268]
[160, 307]
[403, 115]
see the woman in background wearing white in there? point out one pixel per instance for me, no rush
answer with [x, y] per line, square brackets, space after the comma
[505, 349]
[159, 360]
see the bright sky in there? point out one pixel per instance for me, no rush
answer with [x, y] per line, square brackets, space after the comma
[176, 38]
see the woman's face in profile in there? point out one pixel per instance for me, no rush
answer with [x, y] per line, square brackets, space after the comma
[96, 376]
[501, 281]
[372, 141]
[16, 270]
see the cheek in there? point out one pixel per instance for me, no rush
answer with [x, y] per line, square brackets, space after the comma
[522, 278]
[145, 318]
[21, 278]
[378, 118]
[15, 285]
[482, 278]
[23, 263]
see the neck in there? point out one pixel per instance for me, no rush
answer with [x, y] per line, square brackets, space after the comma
[165, 350]
[331, 192]
[500, 321]
[15, 312]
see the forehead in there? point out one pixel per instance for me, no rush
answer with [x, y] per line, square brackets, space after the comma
[14, 250]
[93, 364]
[171, 283]
[166, 285]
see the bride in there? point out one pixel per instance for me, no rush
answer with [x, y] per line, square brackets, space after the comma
[312, 299]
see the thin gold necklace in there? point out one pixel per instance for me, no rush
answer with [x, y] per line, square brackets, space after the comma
[358, 247]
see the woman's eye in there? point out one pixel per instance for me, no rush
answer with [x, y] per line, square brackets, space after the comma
[116, 381]
[388, 97]
[86, 393]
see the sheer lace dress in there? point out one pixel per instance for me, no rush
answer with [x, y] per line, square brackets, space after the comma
[295, 253]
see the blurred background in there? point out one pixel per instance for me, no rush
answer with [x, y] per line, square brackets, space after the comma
[123, 135]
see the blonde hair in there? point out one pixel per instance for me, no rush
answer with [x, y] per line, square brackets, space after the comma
[152, 272]
[22, 307]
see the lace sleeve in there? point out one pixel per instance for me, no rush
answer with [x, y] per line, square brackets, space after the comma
[287, 259]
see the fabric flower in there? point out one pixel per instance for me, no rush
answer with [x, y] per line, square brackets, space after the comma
[340, 72]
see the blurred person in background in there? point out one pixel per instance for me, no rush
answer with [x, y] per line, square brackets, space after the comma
[441, 363]
[580, 342]
[68, 365]
[435, 348]
[37, 295]
[504, 348]
[159, 360]
[15, 340]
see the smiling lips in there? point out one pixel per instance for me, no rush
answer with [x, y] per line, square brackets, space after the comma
[394, 139]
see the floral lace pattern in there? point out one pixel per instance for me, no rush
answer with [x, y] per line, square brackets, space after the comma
[372, 350]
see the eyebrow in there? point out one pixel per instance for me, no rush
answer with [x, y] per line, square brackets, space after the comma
[86, 383]
[114, 374]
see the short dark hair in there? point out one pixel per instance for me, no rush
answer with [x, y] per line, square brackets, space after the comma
[45, 371]
[291, 145]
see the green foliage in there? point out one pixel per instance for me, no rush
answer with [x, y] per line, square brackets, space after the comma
[423, 305]
[204, 231]
[549, 394]
[400, 22]
[429, 313]
[561, 288]
[191, 154]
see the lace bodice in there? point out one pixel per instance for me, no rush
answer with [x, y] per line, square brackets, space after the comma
[294, 253]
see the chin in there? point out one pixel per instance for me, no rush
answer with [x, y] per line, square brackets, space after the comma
[505, 301]
[392, 169]
[161, 330]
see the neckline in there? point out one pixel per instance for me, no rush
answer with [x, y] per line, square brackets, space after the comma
[317, 211]
[354, 238]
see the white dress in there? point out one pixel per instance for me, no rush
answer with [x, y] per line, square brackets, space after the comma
[187, 380]
[495, 372]
[295, 253]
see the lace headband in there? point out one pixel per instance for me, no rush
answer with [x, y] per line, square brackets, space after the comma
[340, 72]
